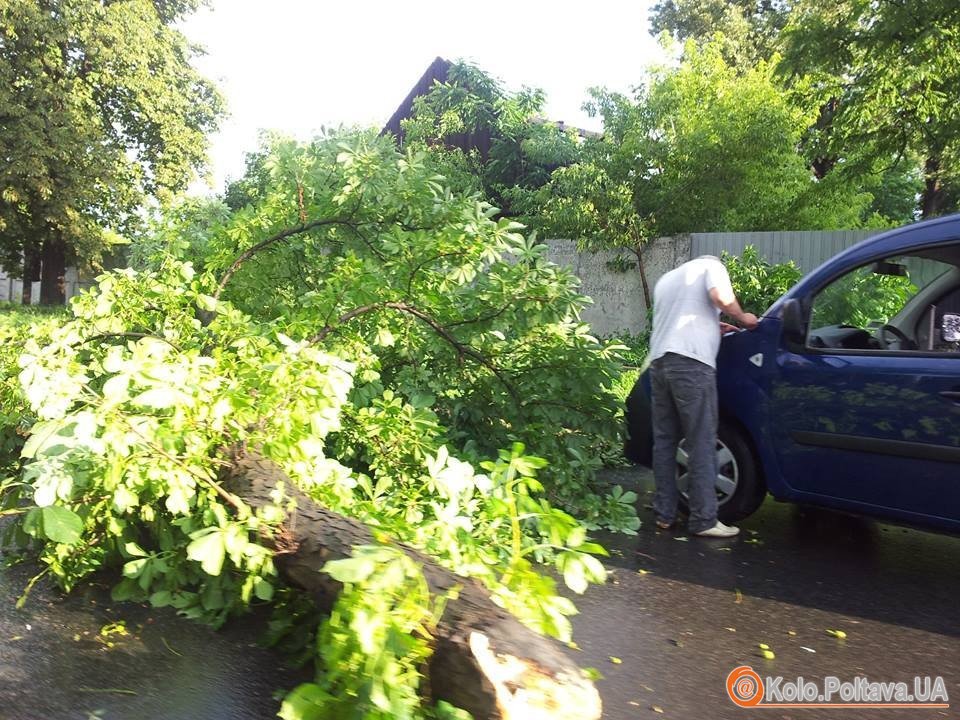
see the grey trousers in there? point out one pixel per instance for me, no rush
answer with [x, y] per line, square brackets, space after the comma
[685, 406]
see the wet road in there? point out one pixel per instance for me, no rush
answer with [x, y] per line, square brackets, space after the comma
[682, 612]
[56, 663]
[698, 609]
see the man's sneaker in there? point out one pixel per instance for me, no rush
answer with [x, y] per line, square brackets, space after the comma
[719, 531]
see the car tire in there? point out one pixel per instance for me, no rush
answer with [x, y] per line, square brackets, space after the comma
[738, 457]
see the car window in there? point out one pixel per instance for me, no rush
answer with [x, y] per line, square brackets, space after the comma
[890, 304]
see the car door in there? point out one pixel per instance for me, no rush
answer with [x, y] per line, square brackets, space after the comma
[864, 419]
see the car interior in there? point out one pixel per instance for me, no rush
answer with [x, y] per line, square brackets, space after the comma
[906, 303]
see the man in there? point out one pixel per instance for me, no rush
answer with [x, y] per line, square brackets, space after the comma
[687, 303]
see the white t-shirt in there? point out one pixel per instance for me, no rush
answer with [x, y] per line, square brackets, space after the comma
[685, 320]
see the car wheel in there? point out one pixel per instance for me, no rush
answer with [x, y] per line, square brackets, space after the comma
[740, 489]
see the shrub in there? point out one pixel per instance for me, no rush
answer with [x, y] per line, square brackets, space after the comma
[757, 282]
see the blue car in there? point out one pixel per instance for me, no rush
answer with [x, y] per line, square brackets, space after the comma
[847, 394]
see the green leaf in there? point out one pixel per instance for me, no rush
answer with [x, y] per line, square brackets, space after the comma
[306, 702]
[594, 568]
[134, 550]
[206, 302]
[115, 389]
[133, 568]
[161, 598]
[263, 590]
[61, 525]
[207, 549]
[350, 570]
[573, 574]
[33, 522]
[576, 537]
[158, 398]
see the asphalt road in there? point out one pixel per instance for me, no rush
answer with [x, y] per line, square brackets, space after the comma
[678, 613]
[64, 658]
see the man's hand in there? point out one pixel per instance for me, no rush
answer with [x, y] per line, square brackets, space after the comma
[749, 321]
[727, 328]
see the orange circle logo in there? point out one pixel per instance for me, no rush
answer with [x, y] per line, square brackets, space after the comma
[744, 686]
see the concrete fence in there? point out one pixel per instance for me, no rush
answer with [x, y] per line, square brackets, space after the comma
[11, 289]
[617, 293]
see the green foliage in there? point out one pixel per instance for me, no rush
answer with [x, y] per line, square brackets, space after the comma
[472, 105]
[374, 643]
[633, 348]
[703, 147]
[100, 110]
[749, 29]
[132, 411]
[716, 150]
[183, 230]
[885, 74]
[625, 383]
[400, 258]
[757, 282]
[17, 325]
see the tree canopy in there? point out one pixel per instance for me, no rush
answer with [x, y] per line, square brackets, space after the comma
[100, 109]
[886, 73]
[702, 147]
[748, 29]
[406, 357]
[514, 148]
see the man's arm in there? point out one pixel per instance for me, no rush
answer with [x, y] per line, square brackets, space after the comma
[727, 302]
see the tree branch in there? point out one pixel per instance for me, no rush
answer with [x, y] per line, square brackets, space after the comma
[273, 239]
[103, 336]
[462, 349]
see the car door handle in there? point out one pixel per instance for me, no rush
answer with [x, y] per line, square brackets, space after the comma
[952, 395]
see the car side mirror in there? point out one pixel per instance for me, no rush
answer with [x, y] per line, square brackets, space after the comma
[792, 321]
[950, 328]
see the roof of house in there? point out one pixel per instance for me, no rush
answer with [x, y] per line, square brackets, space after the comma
[436, 72]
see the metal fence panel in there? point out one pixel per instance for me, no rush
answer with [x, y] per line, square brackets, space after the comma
[807, 248]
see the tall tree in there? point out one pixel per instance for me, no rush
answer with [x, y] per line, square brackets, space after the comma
[704, 147]
[749, 28]
[888, 72]
[100, 109]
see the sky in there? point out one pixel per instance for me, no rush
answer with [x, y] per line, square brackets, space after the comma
[299, 65]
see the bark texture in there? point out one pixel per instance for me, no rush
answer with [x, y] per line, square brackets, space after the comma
[484, 660]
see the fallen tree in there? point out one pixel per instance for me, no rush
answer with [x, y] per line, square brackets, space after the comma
[483, 660]
[411, 352]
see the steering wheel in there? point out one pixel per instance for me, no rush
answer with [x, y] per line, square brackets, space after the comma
[905, 342]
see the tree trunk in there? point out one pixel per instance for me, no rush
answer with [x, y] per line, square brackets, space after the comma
[647, 302]
[822, 165]
[31, 273]
[933, 196]
[52, 272]
[483, 660]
